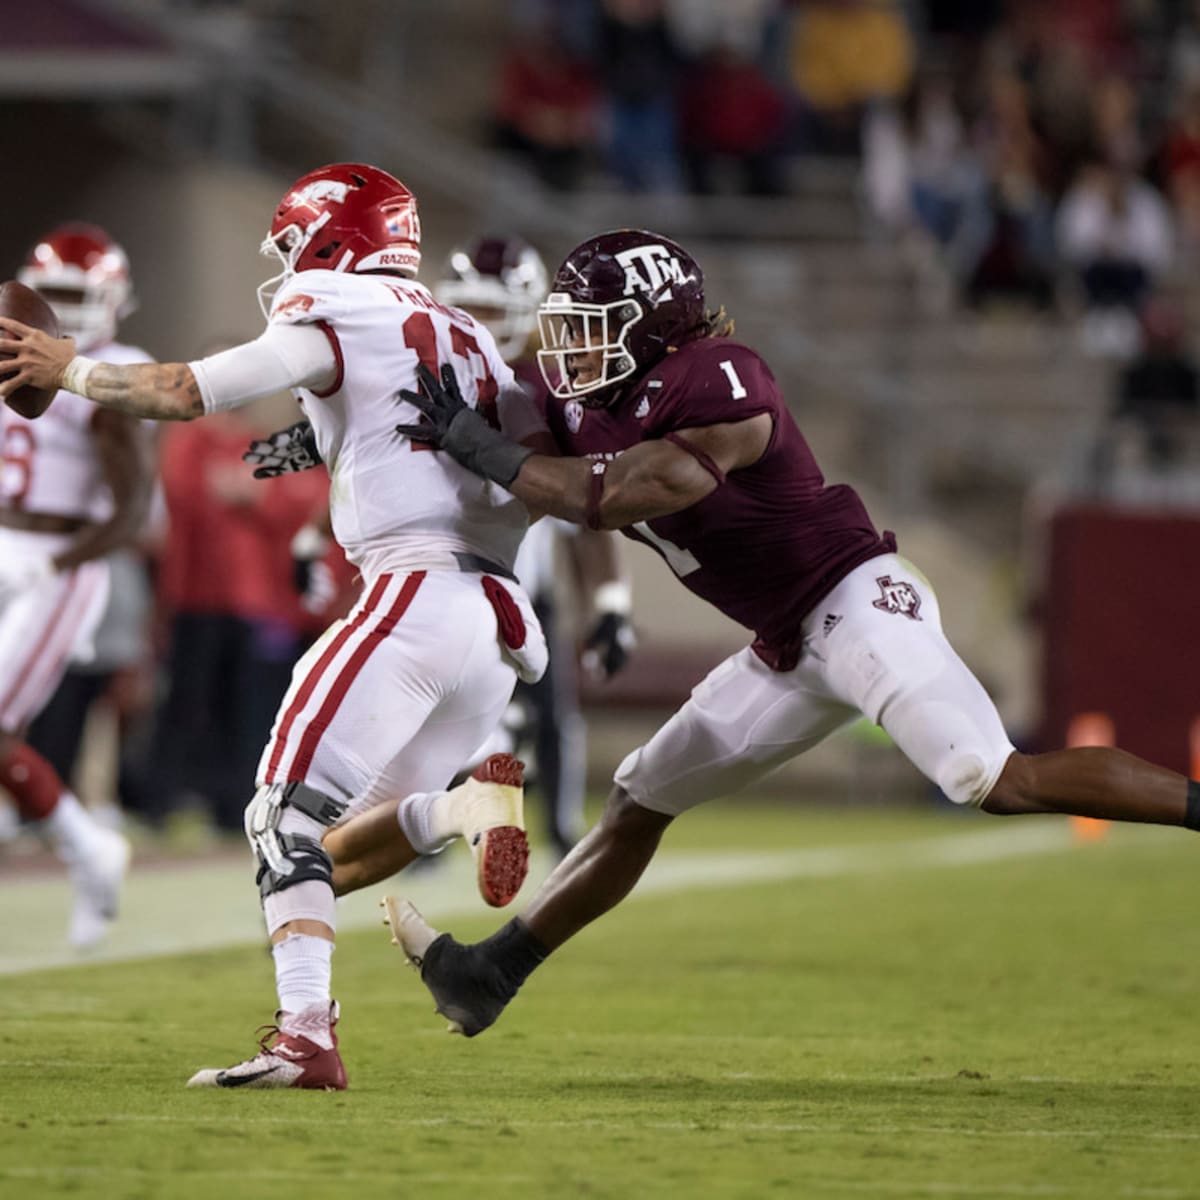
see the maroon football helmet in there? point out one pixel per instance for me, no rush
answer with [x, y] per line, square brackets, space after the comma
[344, 217]
[501, 280]
[84, 276]
[629, 294]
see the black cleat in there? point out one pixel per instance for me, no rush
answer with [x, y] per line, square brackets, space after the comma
[469, 991]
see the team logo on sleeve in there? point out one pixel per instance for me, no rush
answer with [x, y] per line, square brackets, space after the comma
[298, 303]
[898, 597]
[573, 415]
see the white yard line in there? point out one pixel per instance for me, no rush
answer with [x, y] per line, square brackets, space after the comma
[211, 905]
[608, 1124]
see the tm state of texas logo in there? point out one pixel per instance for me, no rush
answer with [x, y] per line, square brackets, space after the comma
[898, 597]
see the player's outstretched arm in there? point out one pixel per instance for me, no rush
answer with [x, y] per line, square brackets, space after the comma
[651, 479]
[161, 391]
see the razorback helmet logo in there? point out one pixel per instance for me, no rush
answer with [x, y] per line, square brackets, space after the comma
[320, 191]
[344, 217]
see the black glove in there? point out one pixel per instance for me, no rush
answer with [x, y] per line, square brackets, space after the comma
[285, 451]
[609, 644]
[460, 430]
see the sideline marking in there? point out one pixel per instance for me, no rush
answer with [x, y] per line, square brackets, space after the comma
[214, 905]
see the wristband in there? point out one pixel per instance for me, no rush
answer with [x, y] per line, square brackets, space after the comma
[591, 510]
[75, 377]
[614, 596]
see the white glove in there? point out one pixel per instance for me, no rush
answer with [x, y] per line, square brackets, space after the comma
[21, 576]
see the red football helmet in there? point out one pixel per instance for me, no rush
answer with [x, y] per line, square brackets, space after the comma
[502, 280]
[344, 217]
[630, 295]
[84, 276]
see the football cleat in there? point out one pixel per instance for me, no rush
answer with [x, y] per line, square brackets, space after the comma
[286, 1059]
[489, 812]
[97, 881]
[469, 991]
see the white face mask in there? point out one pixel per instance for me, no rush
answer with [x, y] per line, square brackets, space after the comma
[569, 328]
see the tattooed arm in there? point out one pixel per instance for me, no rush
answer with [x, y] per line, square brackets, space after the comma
[162, 391]
[284, 356]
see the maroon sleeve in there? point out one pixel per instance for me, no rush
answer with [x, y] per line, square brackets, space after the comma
[717, 382]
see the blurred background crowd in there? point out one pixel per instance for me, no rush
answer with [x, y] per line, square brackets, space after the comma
[962, 232]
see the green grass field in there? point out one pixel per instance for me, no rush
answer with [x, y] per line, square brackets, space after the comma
[798, 1004]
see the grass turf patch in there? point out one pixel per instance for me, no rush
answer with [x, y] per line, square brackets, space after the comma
[1011, 1027]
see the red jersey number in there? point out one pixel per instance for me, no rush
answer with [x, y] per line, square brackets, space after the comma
[16, 465]
[419, 335]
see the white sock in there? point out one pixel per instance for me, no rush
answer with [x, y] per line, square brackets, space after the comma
[70, 829]
[303, 972]
[425, 821]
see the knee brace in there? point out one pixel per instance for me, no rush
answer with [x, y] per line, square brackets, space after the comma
[290, 856]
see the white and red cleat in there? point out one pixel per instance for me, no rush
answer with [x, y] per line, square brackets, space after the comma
[491, 815]
[287, 1057]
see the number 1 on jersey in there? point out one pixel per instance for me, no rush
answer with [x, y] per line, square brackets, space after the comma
[737, 389]
[682, 562]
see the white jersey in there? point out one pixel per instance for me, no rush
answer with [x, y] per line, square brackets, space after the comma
[50, 465]
[396, 505]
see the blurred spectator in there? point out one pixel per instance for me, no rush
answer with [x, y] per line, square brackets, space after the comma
[1184, 54]
[1160, 389]
[1181, 168]
[236, 620]
[701, 26]
[1151, 442]
[1116, 132]
[918, 166]
[546, 109]
[1114, 231]
[844, 55]
[639, 66]
[730, 111]
[1004, 247]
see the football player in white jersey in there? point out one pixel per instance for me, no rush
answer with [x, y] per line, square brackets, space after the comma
[74, 486]
[501, 281]
[394, 698]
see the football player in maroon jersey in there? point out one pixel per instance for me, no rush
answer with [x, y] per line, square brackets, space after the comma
[501, 281]
[679, 437]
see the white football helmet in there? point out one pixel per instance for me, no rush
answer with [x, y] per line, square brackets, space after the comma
[84, 276]
[500, 281]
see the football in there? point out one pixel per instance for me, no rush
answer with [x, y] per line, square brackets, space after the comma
[25, 305]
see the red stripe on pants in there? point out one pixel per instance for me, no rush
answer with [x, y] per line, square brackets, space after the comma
[48, 632]
[337, 693]
[319, 668]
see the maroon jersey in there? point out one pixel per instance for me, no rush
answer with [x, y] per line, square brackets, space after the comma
[772, 539]
[530, 378]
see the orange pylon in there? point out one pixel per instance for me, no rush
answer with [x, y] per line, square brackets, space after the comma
[1097, 729]
[1194, 747]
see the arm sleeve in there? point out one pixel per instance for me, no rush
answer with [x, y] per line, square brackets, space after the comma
[285, 356]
